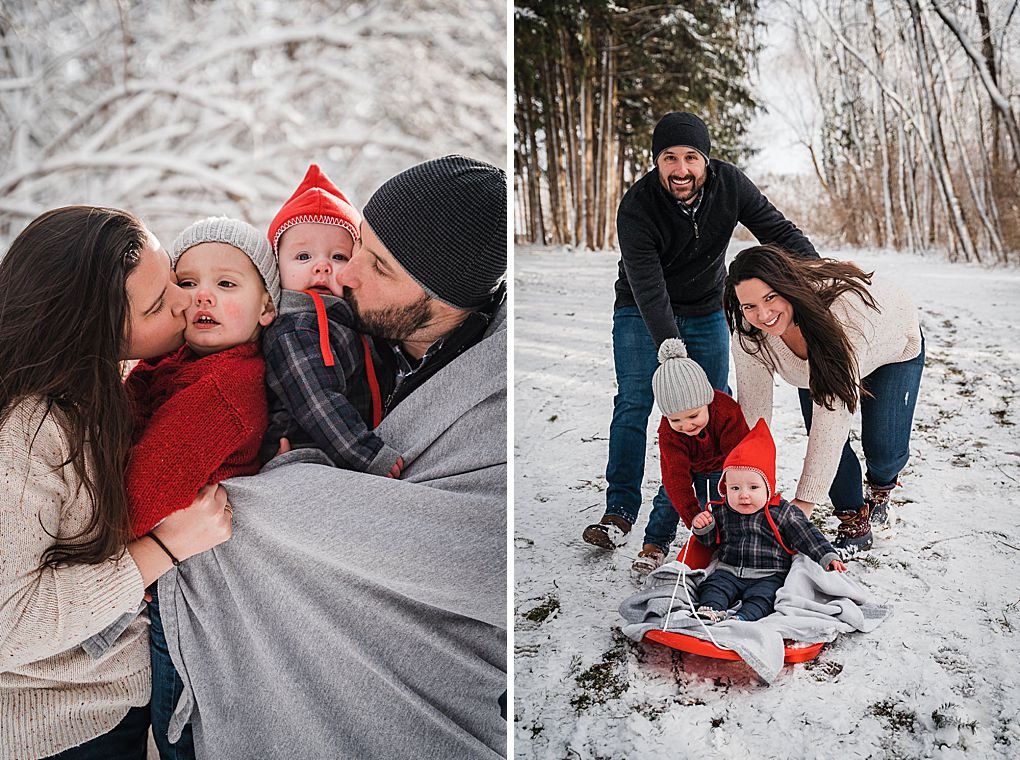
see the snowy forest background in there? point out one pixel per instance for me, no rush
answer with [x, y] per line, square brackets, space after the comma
[177, 109]
[886, 129]
[906, 111]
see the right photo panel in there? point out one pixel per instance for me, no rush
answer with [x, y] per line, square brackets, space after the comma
[767, 259]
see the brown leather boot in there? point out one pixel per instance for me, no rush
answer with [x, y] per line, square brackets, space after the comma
[610, 532]
[854, 534]
[877, 499]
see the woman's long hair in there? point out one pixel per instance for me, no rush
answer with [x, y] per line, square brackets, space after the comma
[810, 285]
[63, 318]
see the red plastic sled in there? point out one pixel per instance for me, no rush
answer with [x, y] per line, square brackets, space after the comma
[698, 557]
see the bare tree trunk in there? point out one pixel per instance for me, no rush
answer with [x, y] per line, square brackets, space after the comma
[883, 139]
[942, 169]
[999, 101]
[966, 164]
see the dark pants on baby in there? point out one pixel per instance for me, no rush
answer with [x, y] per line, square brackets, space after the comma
[167, 688]
[722, 589]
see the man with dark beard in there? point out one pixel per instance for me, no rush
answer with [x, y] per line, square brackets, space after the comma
[674, 225]
[358, 616]
[427, 272]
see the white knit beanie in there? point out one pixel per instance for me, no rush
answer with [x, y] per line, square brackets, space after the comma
[241, 235]
[679, 383]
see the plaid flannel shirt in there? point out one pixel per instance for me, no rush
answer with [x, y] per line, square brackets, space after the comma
[747, 541]
[329, 408]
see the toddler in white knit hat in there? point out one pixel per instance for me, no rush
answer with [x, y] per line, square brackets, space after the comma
[699, 428]
[201, 411]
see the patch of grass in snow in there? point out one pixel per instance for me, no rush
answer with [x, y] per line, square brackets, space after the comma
[823, 670]
[1001, 415]
[820, 515]
[604, 680]
[896, 718]
[547, 607]
[652, 710]
[867, 559]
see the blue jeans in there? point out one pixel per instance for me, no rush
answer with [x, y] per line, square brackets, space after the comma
[664, 518]
[887, 417]
[167, 688]
[636, 358]
[128, 740]
[721, 590]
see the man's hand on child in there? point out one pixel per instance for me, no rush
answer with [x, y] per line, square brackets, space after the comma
[397, 468]
[837, 565]
[702, 520]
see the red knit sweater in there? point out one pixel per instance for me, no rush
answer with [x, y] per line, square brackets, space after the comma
[682, 455]
[198, 420]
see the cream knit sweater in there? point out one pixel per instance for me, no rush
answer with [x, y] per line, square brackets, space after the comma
[53, 695]
[882, 337]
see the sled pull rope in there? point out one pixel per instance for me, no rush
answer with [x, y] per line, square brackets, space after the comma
[682, 575]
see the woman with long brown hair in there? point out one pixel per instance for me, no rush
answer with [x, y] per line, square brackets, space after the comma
[81, 289]
[847, 340]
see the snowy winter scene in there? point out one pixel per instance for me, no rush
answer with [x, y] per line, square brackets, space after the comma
[875, 128]
[938, 678]
[179, 110]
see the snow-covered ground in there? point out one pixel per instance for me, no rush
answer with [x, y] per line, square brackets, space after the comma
[940, 678]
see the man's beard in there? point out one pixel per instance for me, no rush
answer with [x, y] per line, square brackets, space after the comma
[394, 322]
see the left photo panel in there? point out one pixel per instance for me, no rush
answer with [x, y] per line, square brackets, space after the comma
[253, 417]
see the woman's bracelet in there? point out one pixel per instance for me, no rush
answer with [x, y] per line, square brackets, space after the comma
[162, 546]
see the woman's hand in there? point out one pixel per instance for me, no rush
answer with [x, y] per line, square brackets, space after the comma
[837, 566]
[805, 506]
[185, 533]
[208, 522]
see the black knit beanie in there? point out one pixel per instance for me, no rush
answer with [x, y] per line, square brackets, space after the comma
[445, 223]
[681, 128]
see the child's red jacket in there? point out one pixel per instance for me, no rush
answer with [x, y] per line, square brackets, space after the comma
[682, 455]
[198, 420]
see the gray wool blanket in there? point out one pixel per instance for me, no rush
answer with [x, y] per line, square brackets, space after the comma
[357, 616]
[813, 605]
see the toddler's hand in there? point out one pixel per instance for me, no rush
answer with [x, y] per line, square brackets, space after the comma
[702, 520]
[397, 468]
[837, 565]
[284, 447]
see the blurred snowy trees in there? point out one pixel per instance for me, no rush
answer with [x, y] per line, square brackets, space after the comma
[175, 109]
[917, 138]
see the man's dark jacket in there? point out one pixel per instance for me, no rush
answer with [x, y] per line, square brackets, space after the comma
[671, 264]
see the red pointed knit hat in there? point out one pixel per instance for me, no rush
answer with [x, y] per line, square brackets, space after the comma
[756, 452]
[317, 200]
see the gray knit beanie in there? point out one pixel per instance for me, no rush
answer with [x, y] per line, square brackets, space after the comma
[681, 128]
[241, 235]
[679, 383]
[444, 221]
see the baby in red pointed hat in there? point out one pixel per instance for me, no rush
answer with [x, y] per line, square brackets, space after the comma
[313, 234]
[323, 390]
[757, 532]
